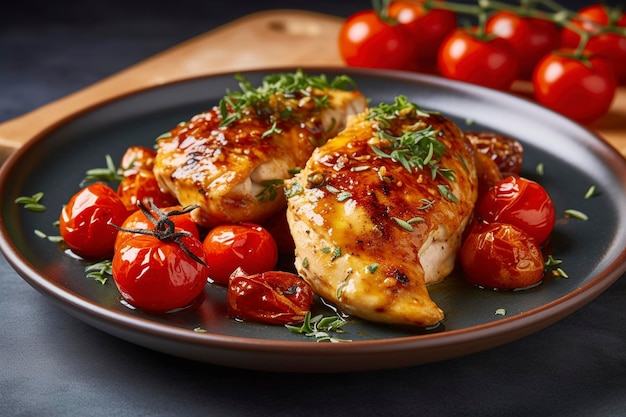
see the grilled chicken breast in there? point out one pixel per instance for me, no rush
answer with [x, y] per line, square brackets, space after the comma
[231, 160]
[378, 213]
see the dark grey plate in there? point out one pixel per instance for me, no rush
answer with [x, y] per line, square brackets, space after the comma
[593, 252]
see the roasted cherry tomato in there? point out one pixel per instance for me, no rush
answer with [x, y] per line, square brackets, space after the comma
[83, 223]
[501, 256]
[243, 245]
[600, 21]
[506, 152]
[366, 40]
[428, 28]
[581, 89]
[139, 221]
[532, 38]
[159, 274]
[489, 61]
[137, 158]
[273, 297]
[139, 182]
[522, 203]
[143, 186]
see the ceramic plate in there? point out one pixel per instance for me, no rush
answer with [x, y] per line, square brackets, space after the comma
[573, 159]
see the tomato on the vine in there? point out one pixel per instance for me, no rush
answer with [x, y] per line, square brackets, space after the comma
[160, 275]
[501, 256]
[243, 245]
[579, 88]
[139, 220]
[366, 40]
[521, 202]
[428, 28]
[489, 60]
[162, 269]
[605, 43]
[532, 38]
[84, 221]
[273, 297]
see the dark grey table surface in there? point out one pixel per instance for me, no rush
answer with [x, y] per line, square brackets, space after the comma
[55, 365]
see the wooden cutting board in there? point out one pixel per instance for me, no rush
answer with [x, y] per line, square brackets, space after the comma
[270, 39]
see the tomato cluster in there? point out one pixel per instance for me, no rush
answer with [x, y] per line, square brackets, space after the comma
[161, 260]
[574, 64]
[503, 247]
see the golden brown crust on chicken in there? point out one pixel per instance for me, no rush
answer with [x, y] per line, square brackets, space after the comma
[369, 233]
[225, 167]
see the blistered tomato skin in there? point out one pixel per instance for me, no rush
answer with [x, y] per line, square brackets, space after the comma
[522, 203]
[83, 223]
[501, 256]
[159, 276]
[272, 297]
[243, 245]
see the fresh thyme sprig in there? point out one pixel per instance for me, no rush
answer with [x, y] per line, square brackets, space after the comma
[414, 149]
[32, 202]
[100, 271]
[233, 105]
[108, 173]
[320, 327]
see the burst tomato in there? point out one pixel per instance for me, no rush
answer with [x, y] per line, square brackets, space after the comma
[600, 21]
[428, 28]
[273, 297]
[366, 40]
[83, 223]
[532, 38]
[489, 61]
[243, 245]
[143, 186]
[581, 89]
[501, 256]
[159, 274]
[138, 182]
[137, 158]
[139, 220]
[522, 203]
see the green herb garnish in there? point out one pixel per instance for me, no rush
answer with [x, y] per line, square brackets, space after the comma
[100, 271]
[414, 149]
[32, 203]
[109, 173]
[320, 327]
[235, 103]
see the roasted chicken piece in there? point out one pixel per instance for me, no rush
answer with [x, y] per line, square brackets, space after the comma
[378, 213]
[231, 160]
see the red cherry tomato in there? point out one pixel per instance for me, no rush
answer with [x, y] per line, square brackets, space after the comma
[243, 245]
[139, 221]
[428, 28]
[365, 40]
[83, 223]
[532, 38]
[273, 297]
[581, 89]
[501, 256]
[487, 61]
[158, 275]
[605, 43]
[522, 203]
[143, 186]
[137, 158]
